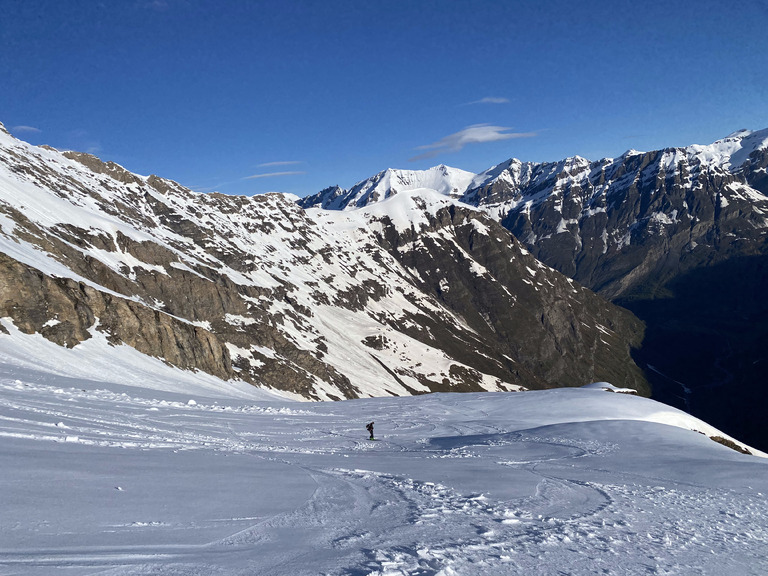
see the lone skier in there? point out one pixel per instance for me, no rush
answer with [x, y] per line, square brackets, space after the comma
[369, 427]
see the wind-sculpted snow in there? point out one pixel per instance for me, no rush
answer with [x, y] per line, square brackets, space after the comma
[100, 478]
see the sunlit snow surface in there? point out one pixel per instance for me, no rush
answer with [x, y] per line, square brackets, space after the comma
[150, 470]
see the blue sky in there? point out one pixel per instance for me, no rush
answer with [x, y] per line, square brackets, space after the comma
[249, 97]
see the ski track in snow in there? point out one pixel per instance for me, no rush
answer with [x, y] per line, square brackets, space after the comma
[457, 484]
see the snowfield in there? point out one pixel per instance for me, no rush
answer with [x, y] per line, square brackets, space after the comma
[144, 469]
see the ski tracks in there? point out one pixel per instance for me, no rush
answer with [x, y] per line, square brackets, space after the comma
[445, 532]
[628, 527]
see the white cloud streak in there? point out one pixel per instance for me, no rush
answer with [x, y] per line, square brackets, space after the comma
[272, 175]
[283, 163]
[475, 134]
[489, 100]
[28, 129]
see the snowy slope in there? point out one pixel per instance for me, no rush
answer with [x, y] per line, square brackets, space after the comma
[409, 209]
[100, 478]
[732, 151]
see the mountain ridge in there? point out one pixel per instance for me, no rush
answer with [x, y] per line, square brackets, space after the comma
[321, 304]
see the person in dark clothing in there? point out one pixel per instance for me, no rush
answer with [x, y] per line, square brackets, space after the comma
[369, 427]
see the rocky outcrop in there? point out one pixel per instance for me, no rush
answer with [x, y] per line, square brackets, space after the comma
[65, 311]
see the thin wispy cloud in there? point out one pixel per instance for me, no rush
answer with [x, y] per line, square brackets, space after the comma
[475, 134]
[27, 129]
[489, 100]
[283, 163]
[206, 187]
[273, 175]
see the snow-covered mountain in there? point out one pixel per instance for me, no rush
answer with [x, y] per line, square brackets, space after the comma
[679, 236]
[412, 294]
[614, 224]
[620, 225]
[442, 179]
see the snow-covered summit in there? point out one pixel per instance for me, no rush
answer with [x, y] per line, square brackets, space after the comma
[732, 151]
[445, 180]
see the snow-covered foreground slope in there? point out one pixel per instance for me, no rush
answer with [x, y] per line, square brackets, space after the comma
[136, 478]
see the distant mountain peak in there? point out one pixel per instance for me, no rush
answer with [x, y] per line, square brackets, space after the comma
[441, 178]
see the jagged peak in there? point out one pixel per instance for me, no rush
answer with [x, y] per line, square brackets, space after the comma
[632, 152]
[573, 163]
[485, 178]
[576, 160]
[334, 188]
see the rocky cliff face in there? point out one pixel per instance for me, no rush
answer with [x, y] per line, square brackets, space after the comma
[627, 226]
[322, 304]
